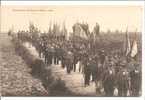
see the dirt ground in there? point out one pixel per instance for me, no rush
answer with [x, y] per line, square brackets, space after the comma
[74, 81]
[16, 79]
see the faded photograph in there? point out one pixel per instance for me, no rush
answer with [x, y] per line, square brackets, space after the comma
[71, 51]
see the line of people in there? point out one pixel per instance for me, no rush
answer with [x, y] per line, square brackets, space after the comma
[110, 73]
[107, 72]
[111, 76]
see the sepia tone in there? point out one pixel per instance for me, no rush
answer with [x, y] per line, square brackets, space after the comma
[71, 51]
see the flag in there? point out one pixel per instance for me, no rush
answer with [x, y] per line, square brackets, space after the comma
[128, 45]
[134, 49]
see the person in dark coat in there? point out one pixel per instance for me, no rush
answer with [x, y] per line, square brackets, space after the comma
[94, 67]
[69, 62]
[68, 65]
[62, 58]
[109, 81]
[102, 57]
[135, 81]
[63, 54]
[44, 47]
[56, 55]
[75, 60]
[123, 81]
[99, 77]
[46, 56]
[40, 49]
[87, 74]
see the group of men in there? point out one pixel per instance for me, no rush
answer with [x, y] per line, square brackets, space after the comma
[110, 73]
[55, 52]
[113, 74]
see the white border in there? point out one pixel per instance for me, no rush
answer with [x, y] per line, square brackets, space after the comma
[133, 3]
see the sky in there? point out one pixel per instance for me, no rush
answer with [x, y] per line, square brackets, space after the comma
[107, 16]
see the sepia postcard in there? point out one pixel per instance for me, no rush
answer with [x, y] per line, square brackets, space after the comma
[71, 49]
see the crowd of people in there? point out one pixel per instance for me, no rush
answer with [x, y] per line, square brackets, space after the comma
[112, 72]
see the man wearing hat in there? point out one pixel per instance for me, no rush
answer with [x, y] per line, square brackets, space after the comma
[135, 80]
[99, 76]
[109, 80]
[87, 70]
[94, 66]
[123, 80]
[69, 61]
[102, 57]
